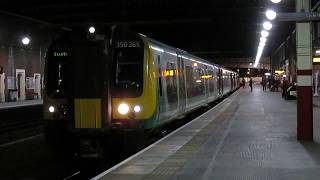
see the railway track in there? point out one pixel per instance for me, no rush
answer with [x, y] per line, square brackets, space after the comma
[20, 122]
[45, 163]
[9, 126]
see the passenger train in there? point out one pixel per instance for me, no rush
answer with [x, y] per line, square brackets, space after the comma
[127, 82]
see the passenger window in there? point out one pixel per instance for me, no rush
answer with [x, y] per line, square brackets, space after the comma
[171, 80]
[211, 83]
[189, 81]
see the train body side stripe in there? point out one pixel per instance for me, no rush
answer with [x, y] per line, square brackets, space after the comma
[87, 113]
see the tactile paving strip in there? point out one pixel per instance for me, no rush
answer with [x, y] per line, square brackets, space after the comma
[266, 177]
[256, 155]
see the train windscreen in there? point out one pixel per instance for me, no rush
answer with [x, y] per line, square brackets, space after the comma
[77, 70]
[128, 58]
[57, 65]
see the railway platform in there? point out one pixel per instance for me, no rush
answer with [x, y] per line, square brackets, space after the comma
[247, 136]
[18, 104]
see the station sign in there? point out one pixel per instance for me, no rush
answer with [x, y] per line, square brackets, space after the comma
[279, 71]
[299, 16]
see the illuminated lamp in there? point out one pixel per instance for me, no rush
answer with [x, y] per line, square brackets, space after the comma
[271, 15]
[264, 33]
[275, 1]
[263, 39]
[25, 40]
[267, 25]
[92, 30]
[316, 59]
[279, 71]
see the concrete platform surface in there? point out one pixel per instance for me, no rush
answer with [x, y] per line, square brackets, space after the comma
[15, 104]
[249, 136]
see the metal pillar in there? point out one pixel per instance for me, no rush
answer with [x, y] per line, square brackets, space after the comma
[304, 75]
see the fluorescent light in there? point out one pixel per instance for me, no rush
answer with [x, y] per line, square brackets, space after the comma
[275, 1]
[264, 33]
[25, 40]
[318, 51]
[263, 39]
[259, 54]
[271, 15]
[316, 60]
[267, 25]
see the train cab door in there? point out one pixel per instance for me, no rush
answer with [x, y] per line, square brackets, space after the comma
[161, 103]
[181, 85]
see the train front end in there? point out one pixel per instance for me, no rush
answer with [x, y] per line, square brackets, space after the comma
[95, 89]
[76, 97]
[134, 90]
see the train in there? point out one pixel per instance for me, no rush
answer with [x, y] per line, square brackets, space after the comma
[96, 86]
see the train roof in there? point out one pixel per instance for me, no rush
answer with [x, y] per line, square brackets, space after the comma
[182, 51]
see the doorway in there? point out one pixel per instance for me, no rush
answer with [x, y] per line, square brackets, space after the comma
[37, 84]
[21, 84]
[2, 87]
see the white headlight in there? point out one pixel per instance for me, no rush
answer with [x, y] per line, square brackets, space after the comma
[137, 108]
[92, 29]
[123, 108]
[51, 109]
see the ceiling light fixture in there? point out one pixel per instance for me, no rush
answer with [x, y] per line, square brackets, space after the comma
[271, 15]
[264, 33]
[267, 25]
[25, 40]
[275, 1]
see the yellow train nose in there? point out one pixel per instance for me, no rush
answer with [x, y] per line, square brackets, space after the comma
[87, 113]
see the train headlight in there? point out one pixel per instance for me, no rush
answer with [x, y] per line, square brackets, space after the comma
[123, 108]
[51, 109]
[137, 108]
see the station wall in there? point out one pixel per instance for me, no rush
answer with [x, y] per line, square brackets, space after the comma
[284, 58]
[22, 65]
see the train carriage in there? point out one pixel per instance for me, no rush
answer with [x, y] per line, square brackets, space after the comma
[130, 83]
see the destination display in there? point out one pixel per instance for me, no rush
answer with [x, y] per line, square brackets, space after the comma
[60, 54]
